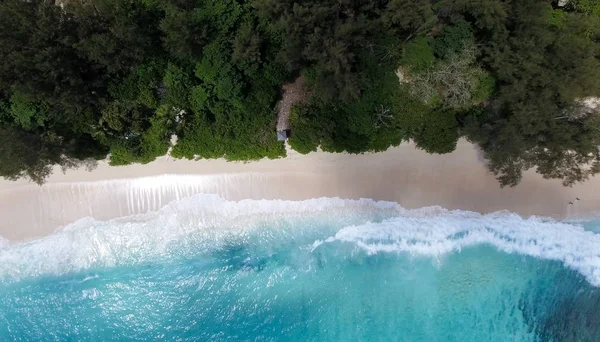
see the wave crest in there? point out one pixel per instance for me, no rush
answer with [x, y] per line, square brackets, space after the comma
[452, 231]
[205, 222]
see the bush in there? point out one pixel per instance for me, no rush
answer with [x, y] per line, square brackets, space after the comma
[24, 111]
[452, 39]
[418, 54]
[306, 132]
[439, 133]
[145, 146]
[557, 18]
[177, 85]
[453, 81]
[155, 141]
[586, 6]
[198, 139]
[197, 100]
[485, 88]
[121, 155]
[148, 81]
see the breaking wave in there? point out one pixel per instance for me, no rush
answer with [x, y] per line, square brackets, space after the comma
[452, 231]
[206, 223]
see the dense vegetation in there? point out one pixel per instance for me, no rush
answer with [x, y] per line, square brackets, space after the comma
[86, 79]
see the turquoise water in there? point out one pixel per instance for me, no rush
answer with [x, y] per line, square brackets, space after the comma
[321, 270]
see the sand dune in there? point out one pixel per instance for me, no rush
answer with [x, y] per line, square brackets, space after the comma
[403, 174]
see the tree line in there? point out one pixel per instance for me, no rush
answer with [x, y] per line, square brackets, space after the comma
[85, 79]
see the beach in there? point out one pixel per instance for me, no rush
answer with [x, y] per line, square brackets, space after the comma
[404, 174]
[210, 249]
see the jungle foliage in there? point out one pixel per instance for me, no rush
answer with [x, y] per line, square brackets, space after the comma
[120, 77]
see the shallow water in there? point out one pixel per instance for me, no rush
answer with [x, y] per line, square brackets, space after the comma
[326, 269]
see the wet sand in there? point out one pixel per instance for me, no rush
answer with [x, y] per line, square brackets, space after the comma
[403, 174]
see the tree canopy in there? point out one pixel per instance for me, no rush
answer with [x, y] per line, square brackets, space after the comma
[88, 79]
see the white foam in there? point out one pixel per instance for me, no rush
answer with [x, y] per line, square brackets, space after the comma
[129, 240]
[3, 242]
[58, 204]
[449, 232]
[429, 231]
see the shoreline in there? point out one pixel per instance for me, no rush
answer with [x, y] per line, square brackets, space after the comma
[403, 174]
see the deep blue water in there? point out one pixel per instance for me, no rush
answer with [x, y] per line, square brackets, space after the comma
[324, 270]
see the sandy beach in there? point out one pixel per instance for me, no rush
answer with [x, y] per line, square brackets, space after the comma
[403, 174]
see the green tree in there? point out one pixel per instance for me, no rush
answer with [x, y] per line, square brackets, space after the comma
[453, 38]
[116, 35]
[122, 76]
[328, 36]
[25, 154]
[24, 112]
[439, 133]
[418, 54]
[456, 81]
[184, 33]
[542, 70]
[413, 16]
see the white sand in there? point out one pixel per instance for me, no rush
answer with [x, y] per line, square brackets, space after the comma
[404, 174]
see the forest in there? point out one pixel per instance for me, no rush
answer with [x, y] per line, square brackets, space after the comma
[83, 80]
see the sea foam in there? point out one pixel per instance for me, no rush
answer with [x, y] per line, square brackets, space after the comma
[451, 231]
[205, 222]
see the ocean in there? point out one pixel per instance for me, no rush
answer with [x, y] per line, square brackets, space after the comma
[206, 269]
